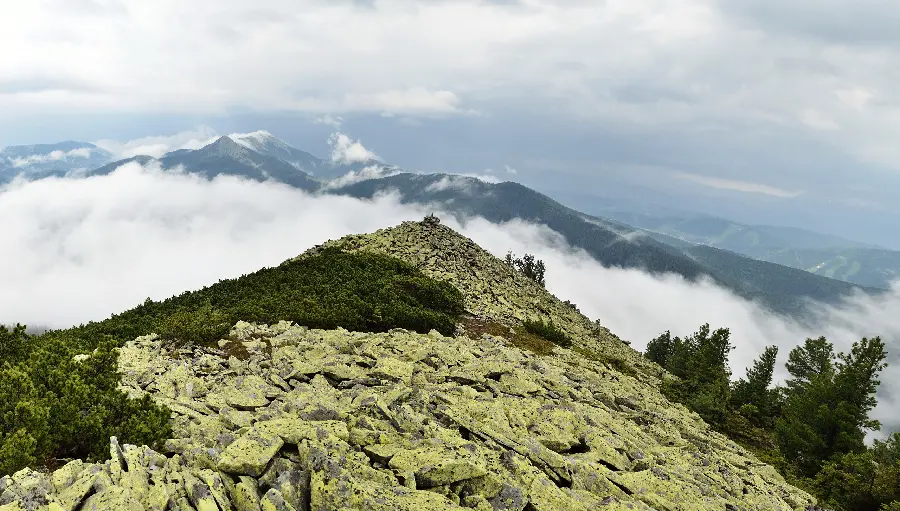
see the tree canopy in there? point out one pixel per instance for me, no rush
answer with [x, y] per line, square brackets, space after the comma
[813, 427]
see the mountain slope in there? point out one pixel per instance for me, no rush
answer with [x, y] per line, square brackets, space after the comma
[782, 289]
[259, 156]
[226, 157]
[46, 160]
[266, 144]
[284, 417]
[830, 256]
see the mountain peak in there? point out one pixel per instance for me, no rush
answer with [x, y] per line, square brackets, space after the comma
[259, 140]
[223, 147]
[491, 288]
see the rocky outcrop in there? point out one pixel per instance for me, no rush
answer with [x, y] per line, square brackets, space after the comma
[282, 418]
[493, 289]
[322, 420]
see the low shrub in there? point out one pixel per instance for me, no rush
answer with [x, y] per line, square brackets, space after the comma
[54, 407]
[548, 331]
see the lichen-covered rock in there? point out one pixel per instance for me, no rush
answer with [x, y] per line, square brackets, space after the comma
[492, 289]
[249, 454]
[336, 420]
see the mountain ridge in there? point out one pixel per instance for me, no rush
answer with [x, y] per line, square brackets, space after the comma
[38, 161]
[781, 288]
[286, 417]
[614, 244]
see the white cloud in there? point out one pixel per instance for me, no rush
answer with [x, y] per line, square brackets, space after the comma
[737, 185]
[461, 182]
[80, 250]
[416, 100]
[650, 64]
[157, 146]
[487, 177]
[364, 174]
[619, 299]
[818, 121]
[329, 120]
[510, 170]
[58, 155]
[345, 150]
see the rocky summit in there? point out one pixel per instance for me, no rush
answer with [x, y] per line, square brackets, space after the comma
[282, 417]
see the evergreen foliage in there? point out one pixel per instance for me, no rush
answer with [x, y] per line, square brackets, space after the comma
[548, 331]
[752, 395]
[529, 266]
[53, 406]
[58, 395]
[357, 291]
[812, 429]
[700, 362]
[829, 398]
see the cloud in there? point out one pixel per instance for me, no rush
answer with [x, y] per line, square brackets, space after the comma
[703, 85]
[81, 249]
[740, 186]
[363, 174]
[510, 170]
[818, 121]
[345, 151]
[417, 100]
[157, 146]
[58, 155]
[461, 182]
[328, 120]
[618, 298]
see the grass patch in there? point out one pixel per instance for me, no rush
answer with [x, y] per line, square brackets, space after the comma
[236, 349]
[548, 331]
[611, 361]
[518, 337]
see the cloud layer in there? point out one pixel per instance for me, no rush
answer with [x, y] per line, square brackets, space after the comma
[80, 250]
[759, 101]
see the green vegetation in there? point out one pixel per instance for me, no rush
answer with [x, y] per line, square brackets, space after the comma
[53, 406]
[518, 337]
[357, 291]
[58, 395]
[548, 331]
[812, 429]
[701, 364]
[531, 268]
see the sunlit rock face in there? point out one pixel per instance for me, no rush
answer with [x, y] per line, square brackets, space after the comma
[281, 417]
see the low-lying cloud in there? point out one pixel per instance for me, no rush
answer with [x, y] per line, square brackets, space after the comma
[460, 182]
[364, 174]
[81, 249]
[58, 155]
[156, 146]
[344, 150]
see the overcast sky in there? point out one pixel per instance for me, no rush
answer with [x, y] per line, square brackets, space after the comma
[759, 110]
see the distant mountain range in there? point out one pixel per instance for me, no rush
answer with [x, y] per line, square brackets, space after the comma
[830, 256]
[628, 240]
[779, 288]
[46, 160]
